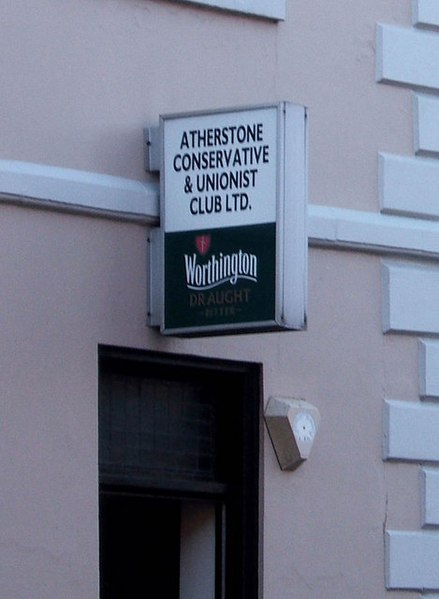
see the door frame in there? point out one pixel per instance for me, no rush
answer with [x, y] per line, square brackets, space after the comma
[245, 502]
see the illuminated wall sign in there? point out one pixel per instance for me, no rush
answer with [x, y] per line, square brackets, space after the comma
[233, 201]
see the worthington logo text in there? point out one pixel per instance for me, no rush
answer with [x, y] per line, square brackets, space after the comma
[220, 269]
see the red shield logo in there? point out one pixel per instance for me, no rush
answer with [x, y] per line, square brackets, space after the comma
[202, 243]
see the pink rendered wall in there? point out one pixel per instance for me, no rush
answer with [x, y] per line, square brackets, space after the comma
[74, 282]
[67, 284]
[79, 81]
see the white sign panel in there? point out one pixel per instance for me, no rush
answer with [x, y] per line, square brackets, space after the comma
[220, 169]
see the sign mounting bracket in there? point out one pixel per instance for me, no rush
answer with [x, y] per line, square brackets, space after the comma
[151, 141]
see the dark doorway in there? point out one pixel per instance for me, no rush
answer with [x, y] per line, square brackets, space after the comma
[179, 458]
[139, 540]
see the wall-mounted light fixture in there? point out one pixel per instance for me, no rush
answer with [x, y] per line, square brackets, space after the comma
[292, 425]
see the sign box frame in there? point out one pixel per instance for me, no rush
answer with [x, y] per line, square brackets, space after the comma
[284, 179]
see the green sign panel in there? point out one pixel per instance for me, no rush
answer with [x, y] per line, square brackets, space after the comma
[220, 277]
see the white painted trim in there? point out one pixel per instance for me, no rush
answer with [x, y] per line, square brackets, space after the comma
[426, 13]
[410, 298]
[430, 487]
[85, 192]
[270, 9]
[426, 124]
[410, 431]
[411, 560]
[77, 191]
[409, 186]
[407, 56]
[368, 231]
[429, 369]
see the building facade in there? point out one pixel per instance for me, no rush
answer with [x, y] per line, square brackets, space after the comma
[80, 82]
